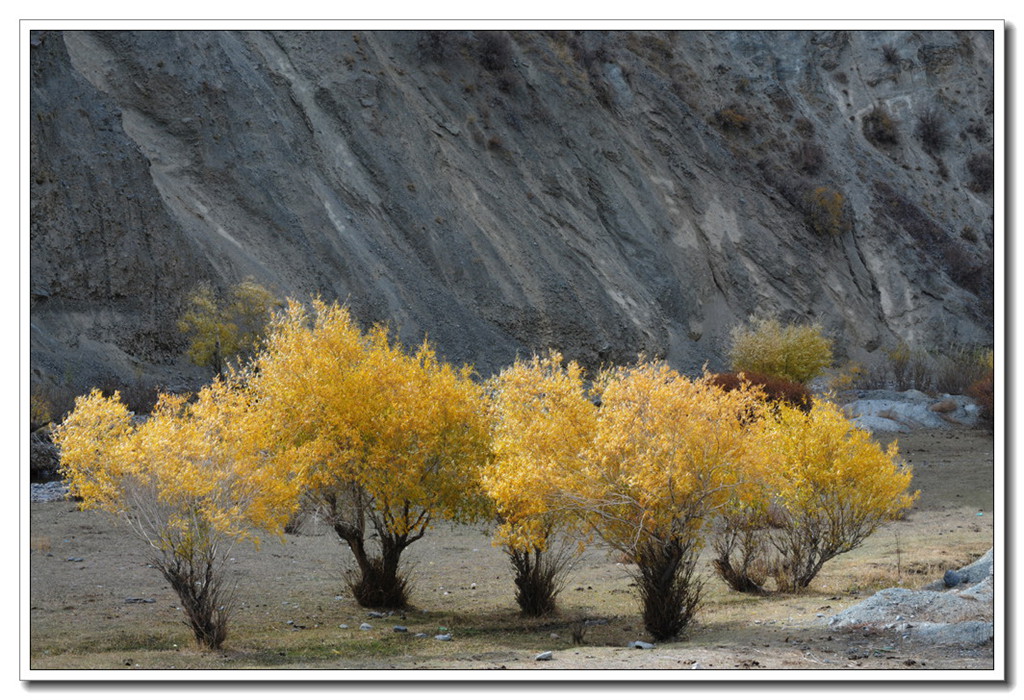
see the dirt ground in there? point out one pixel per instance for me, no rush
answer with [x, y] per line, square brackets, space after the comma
[97, 604]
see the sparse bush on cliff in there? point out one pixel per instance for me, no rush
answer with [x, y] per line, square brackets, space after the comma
[731, 119]
[827, 212]
[931, 130]
[879, 127]
[494, 50]
[891, 55]
[981, 168]
[809, 157]
[794, 352]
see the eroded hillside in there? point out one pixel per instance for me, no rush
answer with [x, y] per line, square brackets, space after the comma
[605, 193]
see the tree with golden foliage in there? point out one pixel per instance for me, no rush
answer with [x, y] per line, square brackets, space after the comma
[192, 480]
[542, 429]
[824, 488]
[794, 352]
[666, 455]
[220, 328]
[393, 439]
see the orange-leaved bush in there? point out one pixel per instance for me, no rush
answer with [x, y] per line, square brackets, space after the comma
[542, 429]
[393, 439]
[192, 480]
[796, 352]
[824, 487]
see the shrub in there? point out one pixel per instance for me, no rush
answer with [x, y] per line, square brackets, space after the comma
[910, 368]
[879, 127]
[221, 329]
[665, 454]
[539, 575]
[794, 352]
[434, 45]
[775, 389]
[494, 51]
[825, 486]
[983, 393]
[960, 367]
[191, 481]
[891, 55]
[40, 412]
[731, 119]
[809, 157]
[826, 211]
[386, 440]
[542, 424]
[931, 130]
[982, 171]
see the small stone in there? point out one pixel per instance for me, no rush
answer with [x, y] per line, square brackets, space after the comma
[544, 656]
[421, 635]
[697, 666]
[377, 614]
[366, 626]
[639, 645]
[75, 559]
[951, 578]
[443, 637]
[140, 600]
[554, 635]
[472, 586]
[344, 627]
[400, 628]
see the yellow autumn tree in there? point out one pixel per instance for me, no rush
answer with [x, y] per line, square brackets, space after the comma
[221, 328]
[828, 488]
[666, 454]
[394, 439]
[191, 481]
[542, 429]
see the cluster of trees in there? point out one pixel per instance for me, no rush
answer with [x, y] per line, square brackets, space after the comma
[382, 441]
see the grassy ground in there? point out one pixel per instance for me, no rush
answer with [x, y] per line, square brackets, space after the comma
[292, 604]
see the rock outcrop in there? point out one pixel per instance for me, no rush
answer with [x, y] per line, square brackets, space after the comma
[605, 193]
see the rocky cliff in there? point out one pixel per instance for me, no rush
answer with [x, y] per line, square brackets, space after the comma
[605, 193]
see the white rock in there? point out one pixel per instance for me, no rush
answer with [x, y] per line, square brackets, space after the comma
[544, 656]
[366, 626]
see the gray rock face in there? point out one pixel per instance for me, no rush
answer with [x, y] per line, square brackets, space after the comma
[604, 193]
[44, 458]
